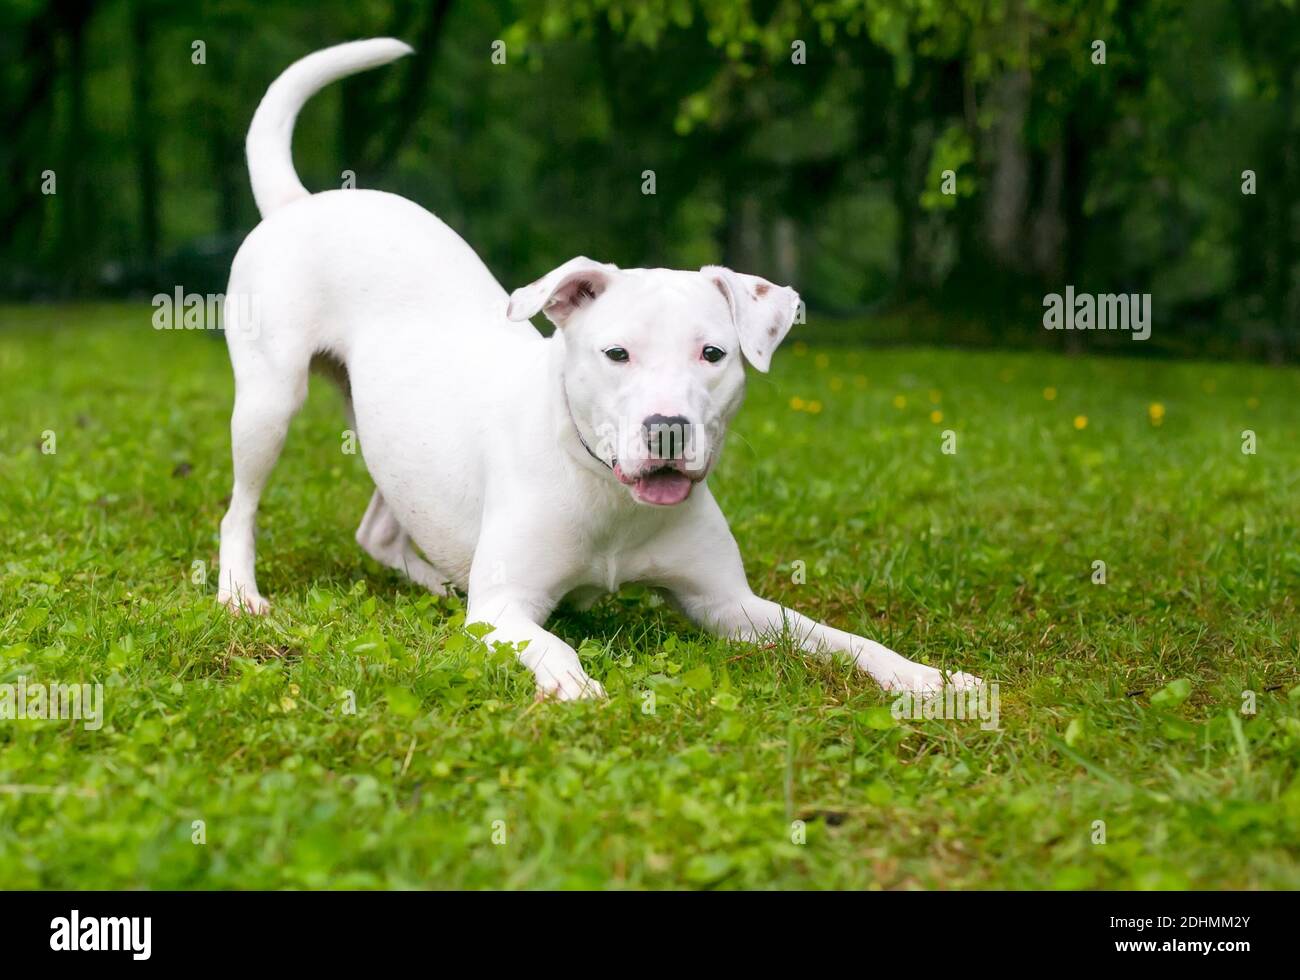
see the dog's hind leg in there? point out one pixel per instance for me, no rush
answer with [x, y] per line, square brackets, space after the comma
[267, 396]
[380, 535]
[384, 540]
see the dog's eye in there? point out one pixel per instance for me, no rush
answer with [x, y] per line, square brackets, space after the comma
[616, 354]
[713, 354]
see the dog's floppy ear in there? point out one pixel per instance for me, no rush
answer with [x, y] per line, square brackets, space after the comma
[762, 312]
[562, 291]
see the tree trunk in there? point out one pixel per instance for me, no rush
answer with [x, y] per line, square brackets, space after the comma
[903, 191]
[143, 131]
[744, 246]
[78, 207]
[1048, 229]
[1282, 283]
[1008, 191]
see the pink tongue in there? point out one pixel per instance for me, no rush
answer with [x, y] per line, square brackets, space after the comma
[665, 487]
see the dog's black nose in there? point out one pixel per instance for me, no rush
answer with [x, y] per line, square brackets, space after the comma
[667, 436]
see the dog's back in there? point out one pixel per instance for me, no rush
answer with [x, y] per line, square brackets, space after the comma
[360, 260]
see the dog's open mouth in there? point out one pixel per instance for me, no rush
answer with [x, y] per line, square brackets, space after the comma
[664, 486]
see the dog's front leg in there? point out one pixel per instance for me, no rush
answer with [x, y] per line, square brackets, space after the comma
[517, 618]
[711, 589]
[745, 616]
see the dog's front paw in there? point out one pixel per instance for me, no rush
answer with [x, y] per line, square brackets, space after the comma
[920, 679]
[243, 602]
[569, 685]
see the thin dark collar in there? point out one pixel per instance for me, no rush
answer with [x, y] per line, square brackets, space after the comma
[564, 389]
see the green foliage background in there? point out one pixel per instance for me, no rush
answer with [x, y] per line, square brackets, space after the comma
[1123, 176]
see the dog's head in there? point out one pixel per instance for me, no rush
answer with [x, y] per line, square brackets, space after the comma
[652, 362]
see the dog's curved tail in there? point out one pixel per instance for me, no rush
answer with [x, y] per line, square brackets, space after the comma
[270, 136]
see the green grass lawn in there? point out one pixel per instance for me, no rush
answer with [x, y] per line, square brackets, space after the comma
[1121, 703]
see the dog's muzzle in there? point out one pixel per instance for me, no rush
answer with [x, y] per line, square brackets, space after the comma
[666, 475]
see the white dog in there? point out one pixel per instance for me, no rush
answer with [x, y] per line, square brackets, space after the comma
[528, 470]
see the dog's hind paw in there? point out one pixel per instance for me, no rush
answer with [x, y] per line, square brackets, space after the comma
[243, 602]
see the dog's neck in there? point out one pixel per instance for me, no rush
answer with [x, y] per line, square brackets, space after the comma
[568, 410]
[568, 432]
